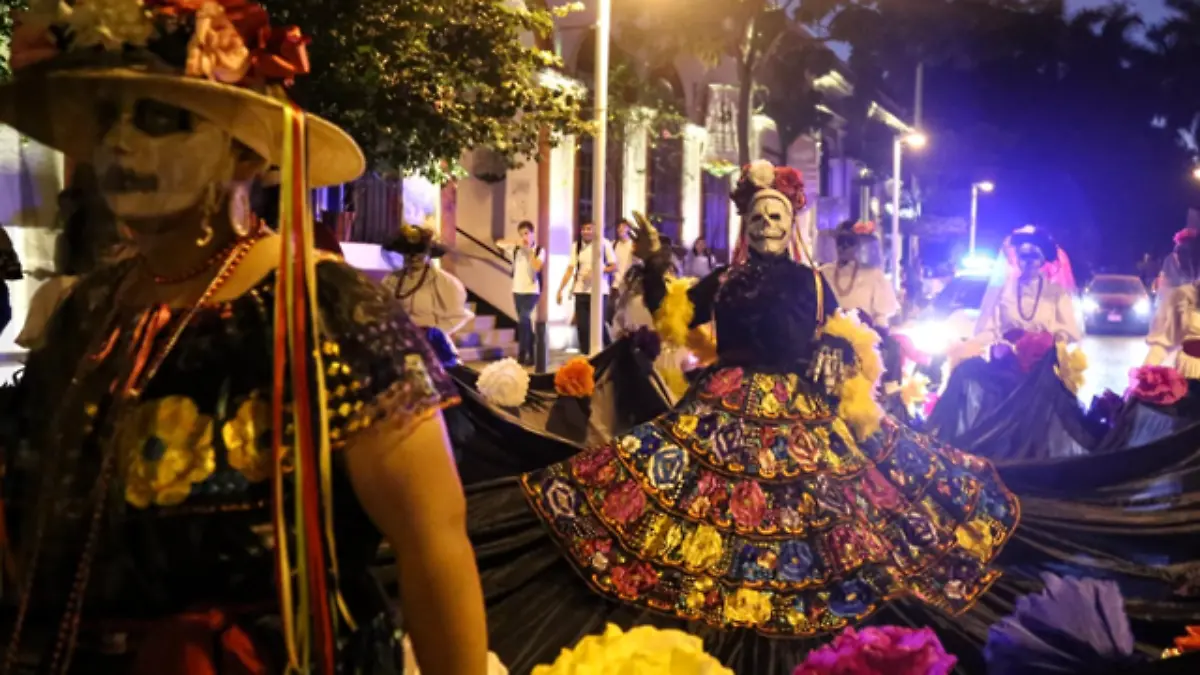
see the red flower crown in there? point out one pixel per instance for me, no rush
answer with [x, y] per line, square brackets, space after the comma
[759, 176]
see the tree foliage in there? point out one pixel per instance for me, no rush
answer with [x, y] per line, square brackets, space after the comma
[7, 8]
[419, 82]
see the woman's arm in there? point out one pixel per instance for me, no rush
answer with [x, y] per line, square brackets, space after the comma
[407, 483]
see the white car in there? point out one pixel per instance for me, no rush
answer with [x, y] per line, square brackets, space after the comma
[951, 317]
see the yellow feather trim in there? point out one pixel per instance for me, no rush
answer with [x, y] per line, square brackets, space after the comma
[675, 380]
[673, 319]
[858, 406]
[702, 345]
[1072, 363]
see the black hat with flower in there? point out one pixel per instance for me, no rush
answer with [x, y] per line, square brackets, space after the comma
[412, 240]
[219, 59]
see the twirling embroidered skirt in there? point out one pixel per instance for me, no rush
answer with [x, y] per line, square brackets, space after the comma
[750, 515]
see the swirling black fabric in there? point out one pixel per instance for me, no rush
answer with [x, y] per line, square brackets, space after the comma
[496, 442]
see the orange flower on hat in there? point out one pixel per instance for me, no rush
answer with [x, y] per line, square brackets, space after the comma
[1189, 642]
[217, 51]
[577, 378]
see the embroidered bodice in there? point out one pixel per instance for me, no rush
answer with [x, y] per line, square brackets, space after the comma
[186, 518]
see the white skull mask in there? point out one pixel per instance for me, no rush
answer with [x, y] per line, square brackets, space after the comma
[156, 160]
[769, 225]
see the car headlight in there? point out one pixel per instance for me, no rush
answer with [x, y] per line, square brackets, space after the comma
[1142, 307]
[1090, 305]
[932, 337]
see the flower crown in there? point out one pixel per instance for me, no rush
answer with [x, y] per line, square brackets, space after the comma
[762, 175]
[226, 41]
[864, 227]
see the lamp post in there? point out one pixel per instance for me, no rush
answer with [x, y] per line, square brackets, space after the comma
[916, 140]
[985, 186]
[599, 167]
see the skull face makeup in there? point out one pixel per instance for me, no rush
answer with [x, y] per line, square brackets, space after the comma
[156, 160]
[769, 224]
[1030, 259]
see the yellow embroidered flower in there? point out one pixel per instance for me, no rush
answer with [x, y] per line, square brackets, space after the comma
[662, 535]
[748, 606]
[976, 538]
[247, 439]
[702, 548]
[686, 425]
[166, 447]
[697, 598]
[644, 650]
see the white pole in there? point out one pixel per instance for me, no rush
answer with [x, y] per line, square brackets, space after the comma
[974, 218]
[599, 172]
[897, 150]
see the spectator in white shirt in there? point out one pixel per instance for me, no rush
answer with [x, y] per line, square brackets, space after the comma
[699, 262]
[579, 277]
[527, 261]
[432, 297]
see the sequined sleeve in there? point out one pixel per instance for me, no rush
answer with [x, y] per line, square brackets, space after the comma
[378, 367]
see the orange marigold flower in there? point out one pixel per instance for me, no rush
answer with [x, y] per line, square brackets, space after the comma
[577, 378]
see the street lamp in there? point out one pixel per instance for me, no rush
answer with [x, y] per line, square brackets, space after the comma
[599, 171]
[1196, 173]
[915, 140]
[985, 186]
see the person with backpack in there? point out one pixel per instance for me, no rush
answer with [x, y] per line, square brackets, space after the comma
[528, 260]
[579, 275]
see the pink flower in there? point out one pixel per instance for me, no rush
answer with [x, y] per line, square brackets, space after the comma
[1157, 385]
[725, 382]
[625, 503]
[217, 51]
[32, 42]
[864, 227]
[595, 467]
[1185, 235]
[1032, 348]
[883, 650]
[748, 504]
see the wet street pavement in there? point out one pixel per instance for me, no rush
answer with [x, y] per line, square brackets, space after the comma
[1109, 361]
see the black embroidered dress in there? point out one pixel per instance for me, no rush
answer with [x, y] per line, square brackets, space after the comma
[162, 506]
[750, 511]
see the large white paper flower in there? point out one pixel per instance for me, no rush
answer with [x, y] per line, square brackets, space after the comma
[762, 173]
[109, 24]
[504, 383]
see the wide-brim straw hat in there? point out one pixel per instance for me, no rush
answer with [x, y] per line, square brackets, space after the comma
[55, 103]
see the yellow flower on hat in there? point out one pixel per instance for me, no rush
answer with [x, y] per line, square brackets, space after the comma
[644, 650]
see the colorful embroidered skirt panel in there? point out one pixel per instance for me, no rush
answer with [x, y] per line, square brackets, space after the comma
[751, 505]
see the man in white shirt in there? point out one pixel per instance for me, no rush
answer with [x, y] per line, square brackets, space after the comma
[579, 275]
[527, 261]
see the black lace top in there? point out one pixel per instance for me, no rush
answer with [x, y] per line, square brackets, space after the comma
[186, 519]
[766, 310]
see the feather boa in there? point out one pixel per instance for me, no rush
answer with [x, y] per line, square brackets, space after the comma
[858, 406]
[673, 320]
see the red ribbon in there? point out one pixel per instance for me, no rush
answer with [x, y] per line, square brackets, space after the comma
[184, 645]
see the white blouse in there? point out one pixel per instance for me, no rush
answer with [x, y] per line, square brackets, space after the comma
[862, 288]
[440, 301]
[1051, 311]
[1176, 320]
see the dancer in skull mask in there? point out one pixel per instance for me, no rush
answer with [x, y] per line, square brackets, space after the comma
[857, 279]
[197, 411]
[774, 501]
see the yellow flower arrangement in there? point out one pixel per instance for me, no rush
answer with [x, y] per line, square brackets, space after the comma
[166, 447]
[644, 650]
[1072, 363]
[702, 548]
[243, 435]
[576, 378]
[748, 607]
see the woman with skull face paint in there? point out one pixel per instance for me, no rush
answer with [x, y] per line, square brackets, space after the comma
[1033, 298]
[218, 432]
[432, 297]
[775, 503]
[857, 279]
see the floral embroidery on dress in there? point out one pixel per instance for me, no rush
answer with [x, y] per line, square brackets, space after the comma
[247, 438]
[167, 447]
[789, 527]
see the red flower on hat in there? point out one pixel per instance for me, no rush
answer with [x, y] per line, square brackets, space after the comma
[791, 184]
